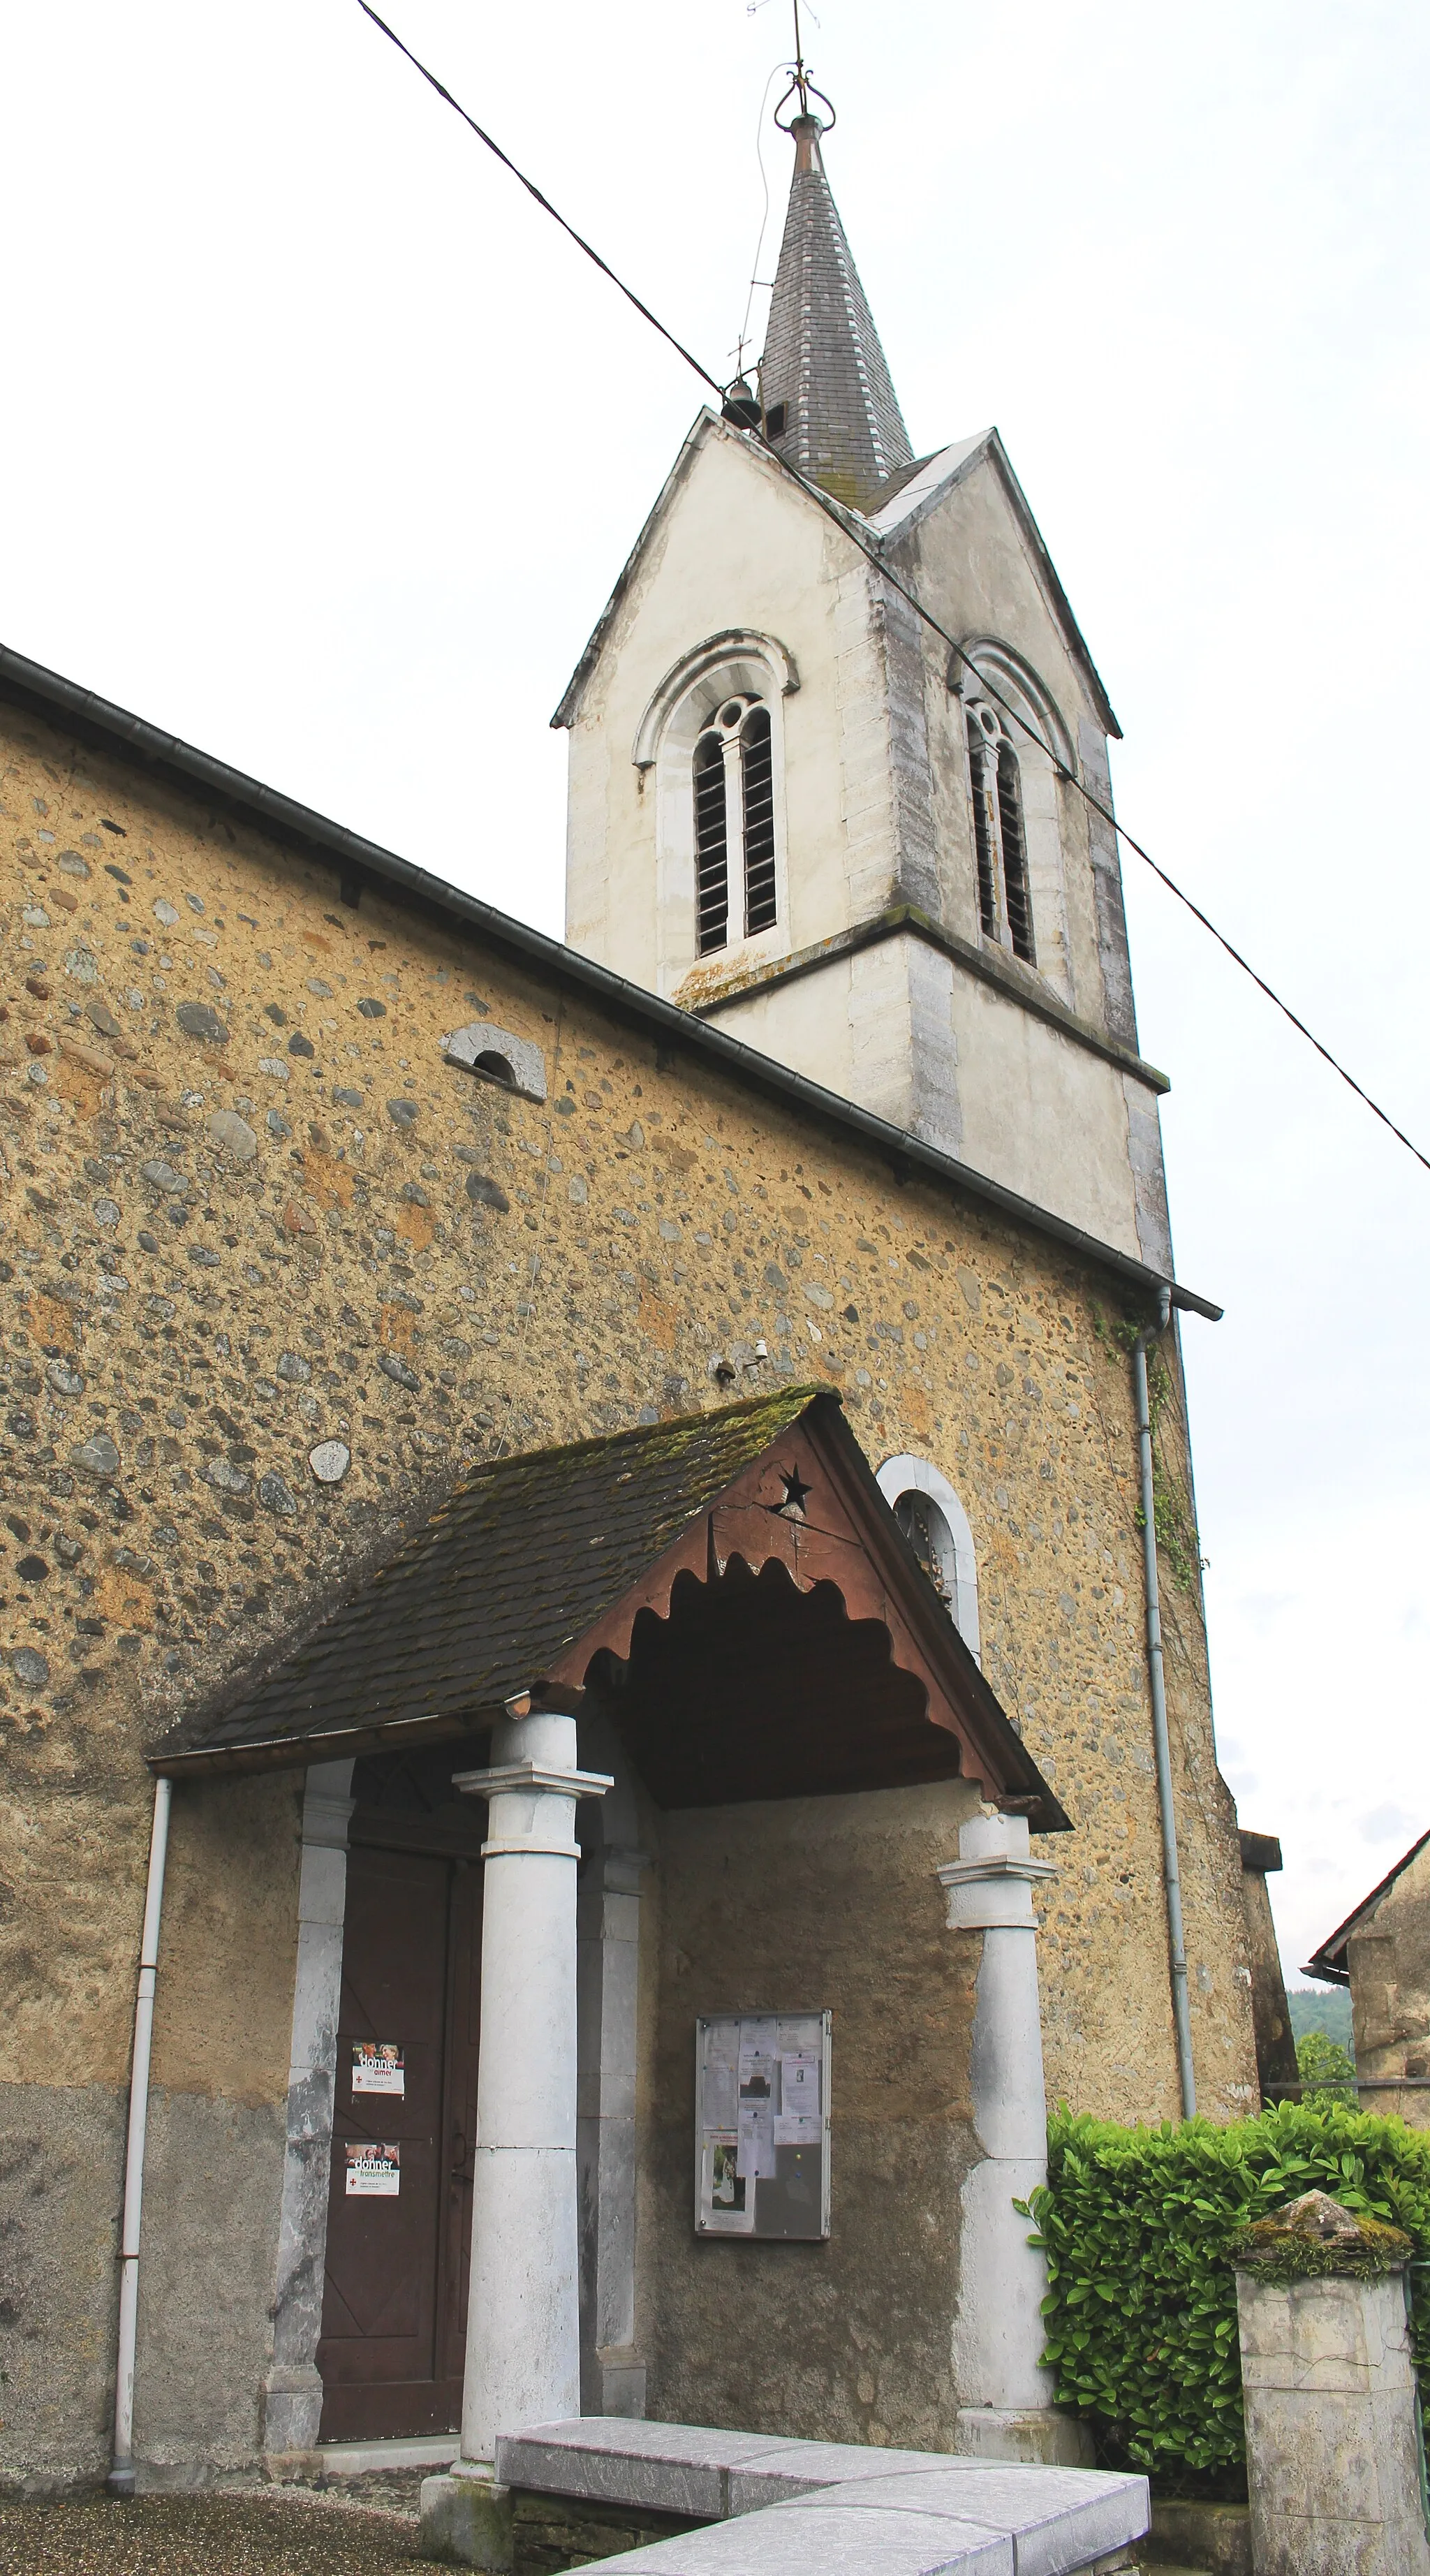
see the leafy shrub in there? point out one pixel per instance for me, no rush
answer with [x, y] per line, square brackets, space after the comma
[1329, 2070]
[1138, 2226]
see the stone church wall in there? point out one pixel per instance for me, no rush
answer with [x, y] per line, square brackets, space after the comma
[247, 1208]
[816, 1903]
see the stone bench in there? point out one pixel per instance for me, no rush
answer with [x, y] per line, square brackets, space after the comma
[775, 2507]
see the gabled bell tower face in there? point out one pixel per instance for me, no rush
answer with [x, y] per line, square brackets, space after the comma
[795, 813]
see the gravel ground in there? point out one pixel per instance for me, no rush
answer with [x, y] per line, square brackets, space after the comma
[211, 2535]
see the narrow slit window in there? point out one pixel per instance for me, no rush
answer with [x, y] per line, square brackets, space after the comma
[1015, 854]
[712, 869]
[758, 780]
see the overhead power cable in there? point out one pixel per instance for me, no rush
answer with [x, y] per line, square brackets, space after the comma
[843, 520]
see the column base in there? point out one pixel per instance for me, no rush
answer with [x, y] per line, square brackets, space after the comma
[467, 2520]
[1036, 2434]
[292, 2408]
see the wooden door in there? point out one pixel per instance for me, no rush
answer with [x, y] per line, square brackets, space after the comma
[394, 2307]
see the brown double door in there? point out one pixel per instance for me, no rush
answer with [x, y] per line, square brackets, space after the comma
[395, 2294]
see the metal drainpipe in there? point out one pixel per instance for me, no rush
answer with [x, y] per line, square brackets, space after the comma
[1181, 2010]
[121, 2475]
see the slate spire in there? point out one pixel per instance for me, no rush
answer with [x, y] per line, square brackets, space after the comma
[842, 422]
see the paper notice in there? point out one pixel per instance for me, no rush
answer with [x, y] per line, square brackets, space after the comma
[803, 2030]
[719, 2109]
[373, 2171]
[727, 2199]
[756, 2113]
[378, 2067]
[799, 2080]
[798, 2129]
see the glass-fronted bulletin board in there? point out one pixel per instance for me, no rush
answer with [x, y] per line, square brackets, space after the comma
[762, 2125]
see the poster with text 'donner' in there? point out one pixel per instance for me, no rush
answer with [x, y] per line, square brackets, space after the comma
[762, 2124]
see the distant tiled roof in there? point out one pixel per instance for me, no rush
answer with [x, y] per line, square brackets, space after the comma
[823, 361]
[521, 1560]
[1330, 1961]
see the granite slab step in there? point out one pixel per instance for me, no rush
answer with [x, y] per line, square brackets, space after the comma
[776, 2507]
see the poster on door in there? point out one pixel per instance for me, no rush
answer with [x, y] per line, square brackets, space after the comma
[374, 2170]
[378, 2067]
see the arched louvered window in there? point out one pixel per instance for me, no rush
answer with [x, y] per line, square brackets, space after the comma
[734, 824]
[1000, 841]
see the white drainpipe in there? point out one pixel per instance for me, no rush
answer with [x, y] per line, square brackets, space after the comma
[121, 2475]
[1181, 2011]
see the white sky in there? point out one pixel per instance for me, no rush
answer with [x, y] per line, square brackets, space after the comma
[324, 448]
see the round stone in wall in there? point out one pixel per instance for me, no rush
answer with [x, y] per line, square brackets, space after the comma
[330, 1461]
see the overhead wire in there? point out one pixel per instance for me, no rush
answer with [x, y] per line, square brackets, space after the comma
[843, 520]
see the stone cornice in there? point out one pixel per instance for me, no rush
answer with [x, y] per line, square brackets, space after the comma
[905, 920]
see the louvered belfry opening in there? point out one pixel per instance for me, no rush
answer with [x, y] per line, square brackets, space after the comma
[712, 867]
[758, 781]
[1015, 854]
[1000, 842]
[985, 833]
[734, 824]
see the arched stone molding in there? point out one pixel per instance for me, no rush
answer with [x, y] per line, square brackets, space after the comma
[735, 663]
[738, 660]
[1018, 682]
[909, 1475]
[1040, 753]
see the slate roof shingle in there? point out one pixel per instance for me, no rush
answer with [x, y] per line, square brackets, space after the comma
[823, 359]
[520, 1560]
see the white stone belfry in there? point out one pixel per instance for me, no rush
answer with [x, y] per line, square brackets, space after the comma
[1006, 2397]
[523, 2324]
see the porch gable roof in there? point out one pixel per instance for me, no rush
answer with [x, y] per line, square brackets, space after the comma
[534, 1565]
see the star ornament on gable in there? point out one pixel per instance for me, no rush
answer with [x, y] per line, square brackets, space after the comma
[796, 1493]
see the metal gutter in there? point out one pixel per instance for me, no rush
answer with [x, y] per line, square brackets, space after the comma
[46, 694]
[121, 2474]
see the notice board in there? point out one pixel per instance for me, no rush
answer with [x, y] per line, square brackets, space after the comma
[762, 2125]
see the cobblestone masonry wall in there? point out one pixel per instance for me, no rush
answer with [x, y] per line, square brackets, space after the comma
[248, 1209]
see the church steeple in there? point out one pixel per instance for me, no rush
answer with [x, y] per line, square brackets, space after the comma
[823, 361]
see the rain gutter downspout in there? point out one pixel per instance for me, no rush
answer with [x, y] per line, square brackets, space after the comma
[121, 2475]
[1181, 2011]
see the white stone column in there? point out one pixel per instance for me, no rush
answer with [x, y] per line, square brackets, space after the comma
[523, 2322]
[1005, 2398]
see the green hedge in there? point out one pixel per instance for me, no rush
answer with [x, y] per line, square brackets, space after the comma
[1138, 2223]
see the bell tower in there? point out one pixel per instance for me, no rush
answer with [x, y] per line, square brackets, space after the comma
[794, 812]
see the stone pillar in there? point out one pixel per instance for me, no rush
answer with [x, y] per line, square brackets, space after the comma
[293, 2391]
[1006, 2407]
[523, 2321]
[1333, 2448]
[608, 1936]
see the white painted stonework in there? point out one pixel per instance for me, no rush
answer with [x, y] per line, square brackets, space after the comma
[1029, 1073]
[293, 2391]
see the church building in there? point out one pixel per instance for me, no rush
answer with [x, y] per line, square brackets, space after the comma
[588, 1731]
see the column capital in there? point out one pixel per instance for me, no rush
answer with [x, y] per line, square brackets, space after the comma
[990, 1885]
[533, 1775]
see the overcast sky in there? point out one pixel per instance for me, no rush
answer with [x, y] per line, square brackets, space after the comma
[324, 448]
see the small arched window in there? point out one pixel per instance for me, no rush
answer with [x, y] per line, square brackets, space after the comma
[931, 1539]
[734, 824]
[935, 1524]
[1000, 839]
